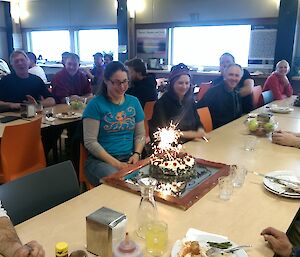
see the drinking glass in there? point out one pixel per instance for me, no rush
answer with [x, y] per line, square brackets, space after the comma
[250, 143]
[156, 237]
[225, 188]
[238, 175]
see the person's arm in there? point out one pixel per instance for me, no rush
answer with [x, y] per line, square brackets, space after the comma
[11, 246]
[272, 83]
[191, 134]
[286, 138]
[139, 142]
[247, 87]
[90, 136]
[278, 241]
[288, 90]
[10, 105]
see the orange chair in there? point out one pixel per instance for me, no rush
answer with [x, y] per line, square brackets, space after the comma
[21, 150]
[257, 96]
[203, 88]
[82, 158]
[205, 118]
[148, 110]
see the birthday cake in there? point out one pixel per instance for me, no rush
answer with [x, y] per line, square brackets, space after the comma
[168, 163]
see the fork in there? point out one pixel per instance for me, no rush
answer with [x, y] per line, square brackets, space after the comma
[214, 250]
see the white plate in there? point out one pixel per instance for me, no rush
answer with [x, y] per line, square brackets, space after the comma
[281, 109]
[74, 115]
[203, 239]
[278, 188]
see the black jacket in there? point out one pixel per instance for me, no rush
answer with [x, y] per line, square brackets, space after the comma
[168, 108]
[144, 90]
[224, 106]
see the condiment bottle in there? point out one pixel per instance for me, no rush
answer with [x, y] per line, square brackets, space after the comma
[127, 248]
[61, 249]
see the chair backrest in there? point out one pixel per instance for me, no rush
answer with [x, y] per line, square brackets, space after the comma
[35, 193]
[22, 150]
[82, 158]
[257, 96]
[205, 118]
[148, 110]
[267, 96]
[203, 88]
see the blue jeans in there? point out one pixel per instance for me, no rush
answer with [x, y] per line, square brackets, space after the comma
[96, 169]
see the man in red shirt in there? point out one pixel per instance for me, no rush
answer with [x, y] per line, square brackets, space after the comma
[70, 81]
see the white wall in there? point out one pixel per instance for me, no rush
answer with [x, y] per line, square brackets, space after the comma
[161, 11]
[47, 14]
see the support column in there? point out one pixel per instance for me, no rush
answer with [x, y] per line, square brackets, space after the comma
[9, 27]
[287, 20]
[122, 21]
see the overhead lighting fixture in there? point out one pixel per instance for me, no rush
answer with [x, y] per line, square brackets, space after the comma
[19, 10]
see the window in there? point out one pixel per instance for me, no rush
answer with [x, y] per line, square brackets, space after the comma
[203, 46]
[50, 44]
[93, 41]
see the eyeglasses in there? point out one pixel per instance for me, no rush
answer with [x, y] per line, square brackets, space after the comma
[118, 83]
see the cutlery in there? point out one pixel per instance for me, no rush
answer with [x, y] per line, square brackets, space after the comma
[276, 180]
[213, 250]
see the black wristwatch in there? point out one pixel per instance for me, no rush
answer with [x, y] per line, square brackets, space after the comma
[140, 156]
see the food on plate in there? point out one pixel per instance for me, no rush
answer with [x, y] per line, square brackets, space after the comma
[192, 248]
[223, 245]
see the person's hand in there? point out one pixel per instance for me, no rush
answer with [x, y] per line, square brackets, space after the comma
[285, 80]
[14, 106]
[119, 165]
[278, 241]
[134, 158]
[31, 99]
[200, 134]
[75, 97]
[31, 249]
[285, 138]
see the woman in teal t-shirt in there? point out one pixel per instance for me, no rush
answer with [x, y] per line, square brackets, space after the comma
[113, 126]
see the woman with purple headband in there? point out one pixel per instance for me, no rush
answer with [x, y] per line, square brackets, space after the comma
[177, 105]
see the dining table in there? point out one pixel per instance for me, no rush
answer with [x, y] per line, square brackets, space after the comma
[250, 209]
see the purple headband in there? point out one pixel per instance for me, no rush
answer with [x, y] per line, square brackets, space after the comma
[179, 70]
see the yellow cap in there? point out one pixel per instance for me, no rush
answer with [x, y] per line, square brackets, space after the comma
[61, 249]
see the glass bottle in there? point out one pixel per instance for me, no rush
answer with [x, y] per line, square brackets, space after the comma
[147, 211]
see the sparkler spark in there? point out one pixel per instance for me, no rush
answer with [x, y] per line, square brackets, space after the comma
[166, 142]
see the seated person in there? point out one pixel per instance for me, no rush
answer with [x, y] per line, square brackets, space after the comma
[280, 243]
[177, 105]
[223, 100]
[278, 82]
[64, 55]
[143, 85]
[4, 69]
[245, 85]
[113, 126]
[34, 69]
[10, 244]
[21, 86]
[96, 74]
[108, 58]
[70, 81]
[286, 138]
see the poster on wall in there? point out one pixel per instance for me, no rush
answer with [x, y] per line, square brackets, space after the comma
[152, 41]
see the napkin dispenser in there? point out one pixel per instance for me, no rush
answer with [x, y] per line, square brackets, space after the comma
[28, 110]
[105, 228]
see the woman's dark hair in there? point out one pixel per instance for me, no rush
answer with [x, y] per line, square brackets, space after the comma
[109, 71]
